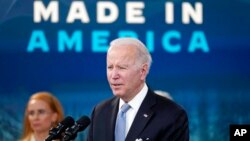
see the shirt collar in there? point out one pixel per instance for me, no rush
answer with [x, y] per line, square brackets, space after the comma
[137, 100]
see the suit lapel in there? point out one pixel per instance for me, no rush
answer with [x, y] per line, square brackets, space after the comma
[142, 117]
[112, 119]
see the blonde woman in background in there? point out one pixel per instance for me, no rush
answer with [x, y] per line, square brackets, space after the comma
[43, 111]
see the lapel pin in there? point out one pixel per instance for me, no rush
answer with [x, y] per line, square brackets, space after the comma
[145, 115]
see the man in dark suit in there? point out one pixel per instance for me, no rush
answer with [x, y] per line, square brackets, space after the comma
[149, 117]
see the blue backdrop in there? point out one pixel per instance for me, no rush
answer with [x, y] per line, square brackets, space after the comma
[207, 72]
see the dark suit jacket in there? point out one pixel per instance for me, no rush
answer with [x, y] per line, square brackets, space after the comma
[158, 119]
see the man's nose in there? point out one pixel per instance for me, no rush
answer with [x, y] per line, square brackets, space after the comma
[114, 74]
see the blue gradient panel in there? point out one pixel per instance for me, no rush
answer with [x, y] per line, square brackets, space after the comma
[205, 67]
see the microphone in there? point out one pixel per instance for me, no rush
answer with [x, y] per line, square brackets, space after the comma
[80, 125]
[55, 132]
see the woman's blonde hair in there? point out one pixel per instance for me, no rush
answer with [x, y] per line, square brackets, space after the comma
[53, 103]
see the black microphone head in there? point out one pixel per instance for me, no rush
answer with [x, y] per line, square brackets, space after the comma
[55, 132]
[84, 121]
[68, 121]
[80, 125]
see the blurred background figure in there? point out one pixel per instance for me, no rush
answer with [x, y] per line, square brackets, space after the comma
[43, 111]
[164, 94]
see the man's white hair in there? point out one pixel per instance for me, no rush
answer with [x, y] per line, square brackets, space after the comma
[143, 53]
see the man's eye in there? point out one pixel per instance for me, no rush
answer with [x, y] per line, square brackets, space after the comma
[122, 68]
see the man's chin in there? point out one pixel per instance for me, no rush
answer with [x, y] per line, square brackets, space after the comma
[118, 94]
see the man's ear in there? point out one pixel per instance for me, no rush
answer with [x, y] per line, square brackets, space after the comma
[144, 71]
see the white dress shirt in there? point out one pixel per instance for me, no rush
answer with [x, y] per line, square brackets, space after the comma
[135, 104]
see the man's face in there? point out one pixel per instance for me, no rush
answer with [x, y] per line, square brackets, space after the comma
[125, 77]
